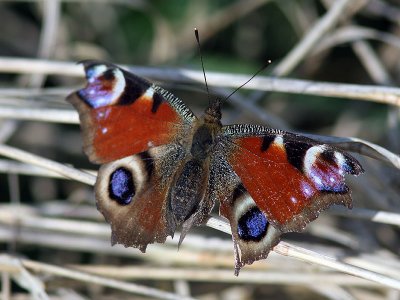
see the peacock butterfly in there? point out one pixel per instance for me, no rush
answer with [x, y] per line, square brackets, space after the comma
[163, 167]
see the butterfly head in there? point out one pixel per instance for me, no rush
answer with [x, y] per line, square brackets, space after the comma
[213, 112]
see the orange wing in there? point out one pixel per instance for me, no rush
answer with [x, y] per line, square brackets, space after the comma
[291, 178]
[122, 114]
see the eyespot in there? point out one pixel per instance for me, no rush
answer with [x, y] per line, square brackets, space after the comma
[253, 225]
[121, 187]
[104, 86]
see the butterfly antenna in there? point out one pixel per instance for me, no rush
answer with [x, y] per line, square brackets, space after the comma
[255, 74]
[196, 33]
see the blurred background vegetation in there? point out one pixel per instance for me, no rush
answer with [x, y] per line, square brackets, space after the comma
[237, 37]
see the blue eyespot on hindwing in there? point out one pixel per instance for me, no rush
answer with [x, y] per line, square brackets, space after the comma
[121, 187]
[253, 225]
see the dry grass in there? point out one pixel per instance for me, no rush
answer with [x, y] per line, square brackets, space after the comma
[55, 245]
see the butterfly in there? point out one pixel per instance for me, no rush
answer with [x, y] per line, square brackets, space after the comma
[164, 168]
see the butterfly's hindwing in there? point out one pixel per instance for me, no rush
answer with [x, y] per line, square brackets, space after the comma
[252, 235]
[132, 194]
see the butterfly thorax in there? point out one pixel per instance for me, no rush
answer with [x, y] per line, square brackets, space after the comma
[206, 131]
[203, 140]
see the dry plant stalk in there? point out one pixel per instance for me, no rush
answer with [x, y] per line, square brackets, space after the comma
[74, 228]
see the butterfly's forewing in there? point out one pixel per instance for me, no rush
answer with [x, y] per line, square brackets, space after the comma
[291, 178]
[122, 114]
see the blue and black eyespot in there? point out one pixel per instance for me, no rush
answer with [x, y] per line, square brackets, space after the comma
[328, 181]
[253, 225]
[121, 187]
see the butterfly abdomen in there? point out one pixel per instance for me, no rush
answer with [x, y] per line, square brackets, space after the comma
[188, 190]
